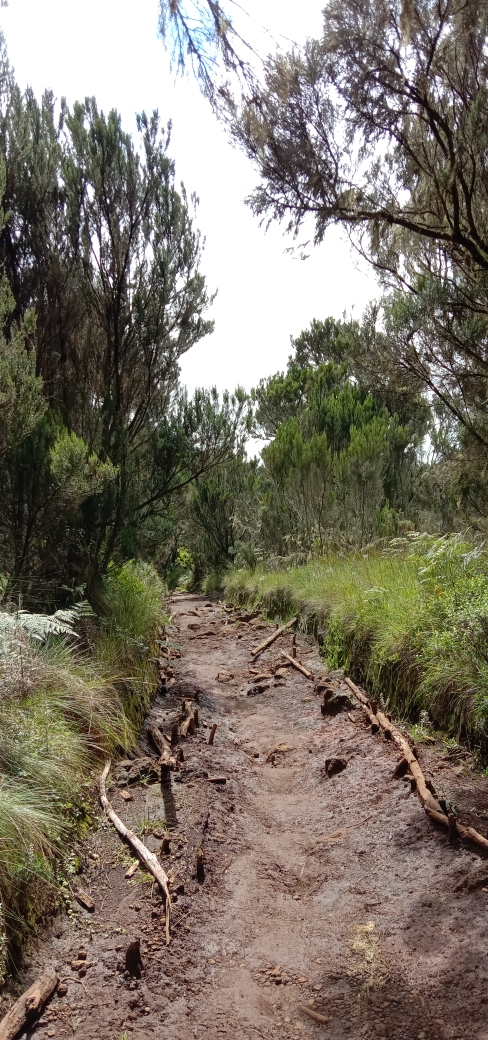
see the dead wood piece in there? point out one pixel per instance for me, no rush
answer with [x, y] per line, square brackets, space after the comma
[188, 726]
[312, 1014]
[127, 796]
[224, 676]
[133, 959]
[426, 798]
[29, 1005]
[132, 869]
[384, 723]
[85, 900]
[200, 866]
[195, 717]
[297, 664]
[166, 846]
[147, 857]
[261, 676]
[212, 733]
[267, 642]
[216, 779]
[453, 831]
[186, 708]
[167, 762]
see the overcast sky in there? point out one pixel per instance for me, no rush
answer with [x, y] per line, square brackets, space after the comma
[110, 49]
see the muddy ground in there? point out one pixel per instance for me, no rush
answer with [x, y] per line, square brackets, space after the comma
[335, 894]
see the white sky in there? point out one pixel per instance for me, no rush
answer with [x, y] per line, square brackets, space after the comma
[110, 49]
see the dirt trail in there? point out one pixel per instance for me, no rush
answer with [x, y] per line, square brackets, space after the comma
[337, 894]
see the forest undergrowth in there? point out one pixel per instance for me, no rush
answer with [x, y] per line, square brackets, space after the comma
[410, 621]
[74, 687]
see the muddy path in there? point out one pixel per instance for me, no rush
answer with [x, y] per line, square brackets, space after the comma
[337, 894]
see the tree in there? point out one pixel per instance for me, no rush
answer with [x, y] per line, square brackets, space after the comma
[381, 126]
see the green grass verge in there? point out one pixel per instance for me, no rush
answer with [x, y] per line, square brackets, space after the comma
[65, 704]
[410, 622]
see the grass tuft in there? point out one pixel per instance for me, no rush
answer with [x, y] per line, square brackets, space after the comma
[62, 710]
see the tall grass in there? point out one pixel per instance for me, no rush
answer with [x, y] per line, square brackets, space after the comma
[65, 703]
[411, 622]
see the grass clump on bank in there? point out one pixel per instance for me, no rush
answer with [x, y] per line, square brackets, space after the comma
[73, 689]
[411, 622]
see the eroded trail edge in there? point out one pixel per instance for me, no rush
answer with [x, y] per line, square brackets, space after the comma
[311, 894]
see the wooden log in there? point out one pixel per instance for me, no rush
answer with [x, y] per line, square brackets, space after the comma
[29, 1005]
[317, 1017]
[158, 739]
[384, 723]
[166, 760]
[296, 664]
[212, 733]
[453, 831]
[425, 796]
[428, 800]
[467, 833]
[147, 857]
[271, 638]
[188, 726]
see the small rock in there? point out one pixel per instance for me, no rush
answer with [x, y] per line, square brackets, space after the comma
[61, 990]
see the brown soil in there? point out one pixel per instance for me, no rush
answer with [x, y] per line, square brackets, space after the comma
[337, 894]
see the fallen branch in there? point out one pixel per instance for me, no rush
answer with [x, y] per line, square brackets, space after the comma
[166, 761]
[29, 1005]
[426, 798]
[313, 1014]
[271, 639]
[147, 857]
[468, 833]
[296, 664]
[188, 726]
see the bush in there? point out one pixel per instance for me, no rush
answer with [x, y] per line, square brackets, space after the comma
[411, 622]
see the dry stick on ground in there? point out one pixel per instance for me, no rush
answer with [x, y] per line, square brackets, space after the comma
[147, 857]
[468, 833]
[312, 1014]
[28, 1005]
[212, 733]
[296, 664]
[166, 761]
[430, 804]
[271, 639]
